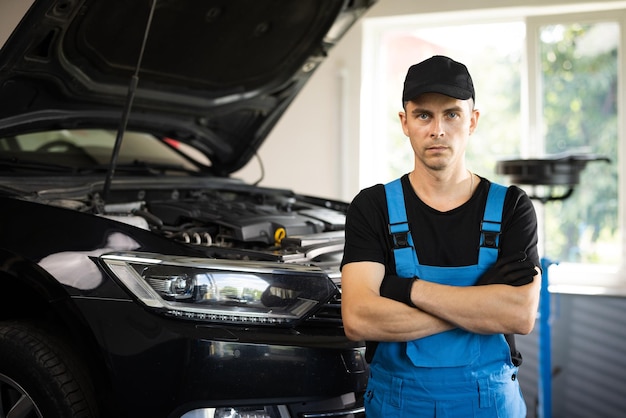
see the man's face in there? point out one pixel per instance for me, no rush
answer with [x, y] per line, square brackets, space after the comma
[438, 127]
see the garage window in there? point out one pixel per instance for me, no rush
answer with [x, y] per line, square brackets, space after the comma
[546, 85]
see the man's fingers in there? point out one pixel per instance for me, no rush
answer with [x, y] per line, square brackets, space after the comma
[516, 266]
[517, 257]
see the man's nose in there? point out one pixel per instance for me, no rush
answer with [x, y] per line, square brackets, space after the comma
[437, 129]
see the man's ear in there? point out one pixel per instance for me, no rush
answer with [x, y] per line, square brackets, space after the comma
[474, 120]
[402, 116]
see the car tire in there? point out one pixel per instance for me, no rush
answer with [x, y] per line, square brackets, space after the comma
[40, 376]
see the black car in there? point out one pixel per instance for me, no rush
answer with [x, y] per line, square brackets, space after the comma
[138, 278]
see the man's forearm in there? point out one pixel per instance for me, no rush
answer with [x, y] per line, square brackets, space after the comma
[371, 317]
[387, 320]
[482, 309]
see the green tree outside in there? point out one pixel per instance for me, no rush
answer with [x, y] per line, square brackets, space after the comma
[580, 115]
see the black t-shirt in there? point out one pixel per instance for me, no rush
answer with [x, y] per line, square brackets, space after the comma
[443, 239]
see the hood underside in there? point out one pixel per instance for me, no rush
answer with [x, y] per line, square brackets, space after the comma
[214, 74]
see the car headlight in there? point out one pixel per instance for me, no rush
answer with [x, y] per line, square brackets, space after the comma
[214, 290]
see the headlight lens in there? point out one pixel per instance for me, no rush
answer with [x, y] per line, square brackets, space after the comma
[222, 290]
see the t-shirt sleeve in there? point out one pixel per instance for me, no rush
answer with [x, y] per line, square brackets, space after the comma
[366, 222]
[519, 226]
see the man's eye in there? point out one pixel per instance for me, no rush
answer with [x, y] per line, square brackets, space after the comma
[422, 116]
[452, 115]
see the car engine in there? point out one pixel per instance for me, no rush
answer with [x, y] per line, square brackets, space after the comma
[249, 224]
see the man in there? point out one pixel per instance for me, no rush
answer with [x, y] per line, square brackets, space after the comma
[439, 266]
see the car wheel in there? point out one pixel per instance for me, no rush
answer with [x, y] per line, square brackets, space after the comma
[39, 376]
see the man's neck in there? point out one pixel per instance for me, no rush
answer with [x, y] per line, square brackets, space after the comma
[443, 192]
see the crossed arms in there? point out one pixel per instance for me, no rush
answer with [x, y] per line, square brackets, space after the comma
[489, 309]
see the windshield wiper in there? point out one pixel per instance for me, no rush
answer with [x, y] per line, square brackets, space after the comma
[143, 167]
[14, 164]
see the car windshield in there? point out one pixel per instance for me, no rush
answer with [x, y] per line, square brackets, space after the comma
[84, 150]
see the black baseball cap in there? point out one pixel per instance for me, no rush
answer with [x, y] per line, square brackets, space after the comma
[438, 74]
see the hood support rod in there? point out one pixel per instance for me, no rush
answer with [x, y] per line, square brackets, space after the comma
[134, 81]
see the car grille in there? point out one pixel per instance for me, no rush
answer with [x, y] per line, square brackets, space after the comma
[330, 312]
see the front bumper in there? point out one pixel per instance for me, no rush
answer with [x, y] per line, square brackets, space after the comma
[163, 367]
[346, 406]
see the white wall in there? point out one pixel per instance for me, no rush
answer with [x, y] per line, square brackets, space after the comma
[13, 11]
[303, 152]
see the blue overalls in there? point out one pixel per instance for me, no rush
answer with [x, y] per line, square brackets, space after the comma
[454, 373]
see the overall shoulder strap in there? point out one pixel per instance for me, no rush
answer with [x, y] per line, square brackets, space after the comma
[491, 225]
[398, 224]
[403, 250]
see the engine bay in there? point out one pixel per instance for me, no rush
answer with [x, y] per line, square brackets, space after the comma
[247, 224]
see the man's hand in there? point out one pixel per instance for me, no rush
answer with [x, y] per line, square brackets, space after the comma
[515, 270]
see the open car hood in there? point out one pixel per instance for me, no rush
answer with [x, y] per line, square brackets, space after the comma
[215, 74]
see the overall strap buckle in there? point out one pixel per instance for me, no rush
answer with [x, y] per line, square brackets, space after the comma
[400, 235]
[490, 234]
